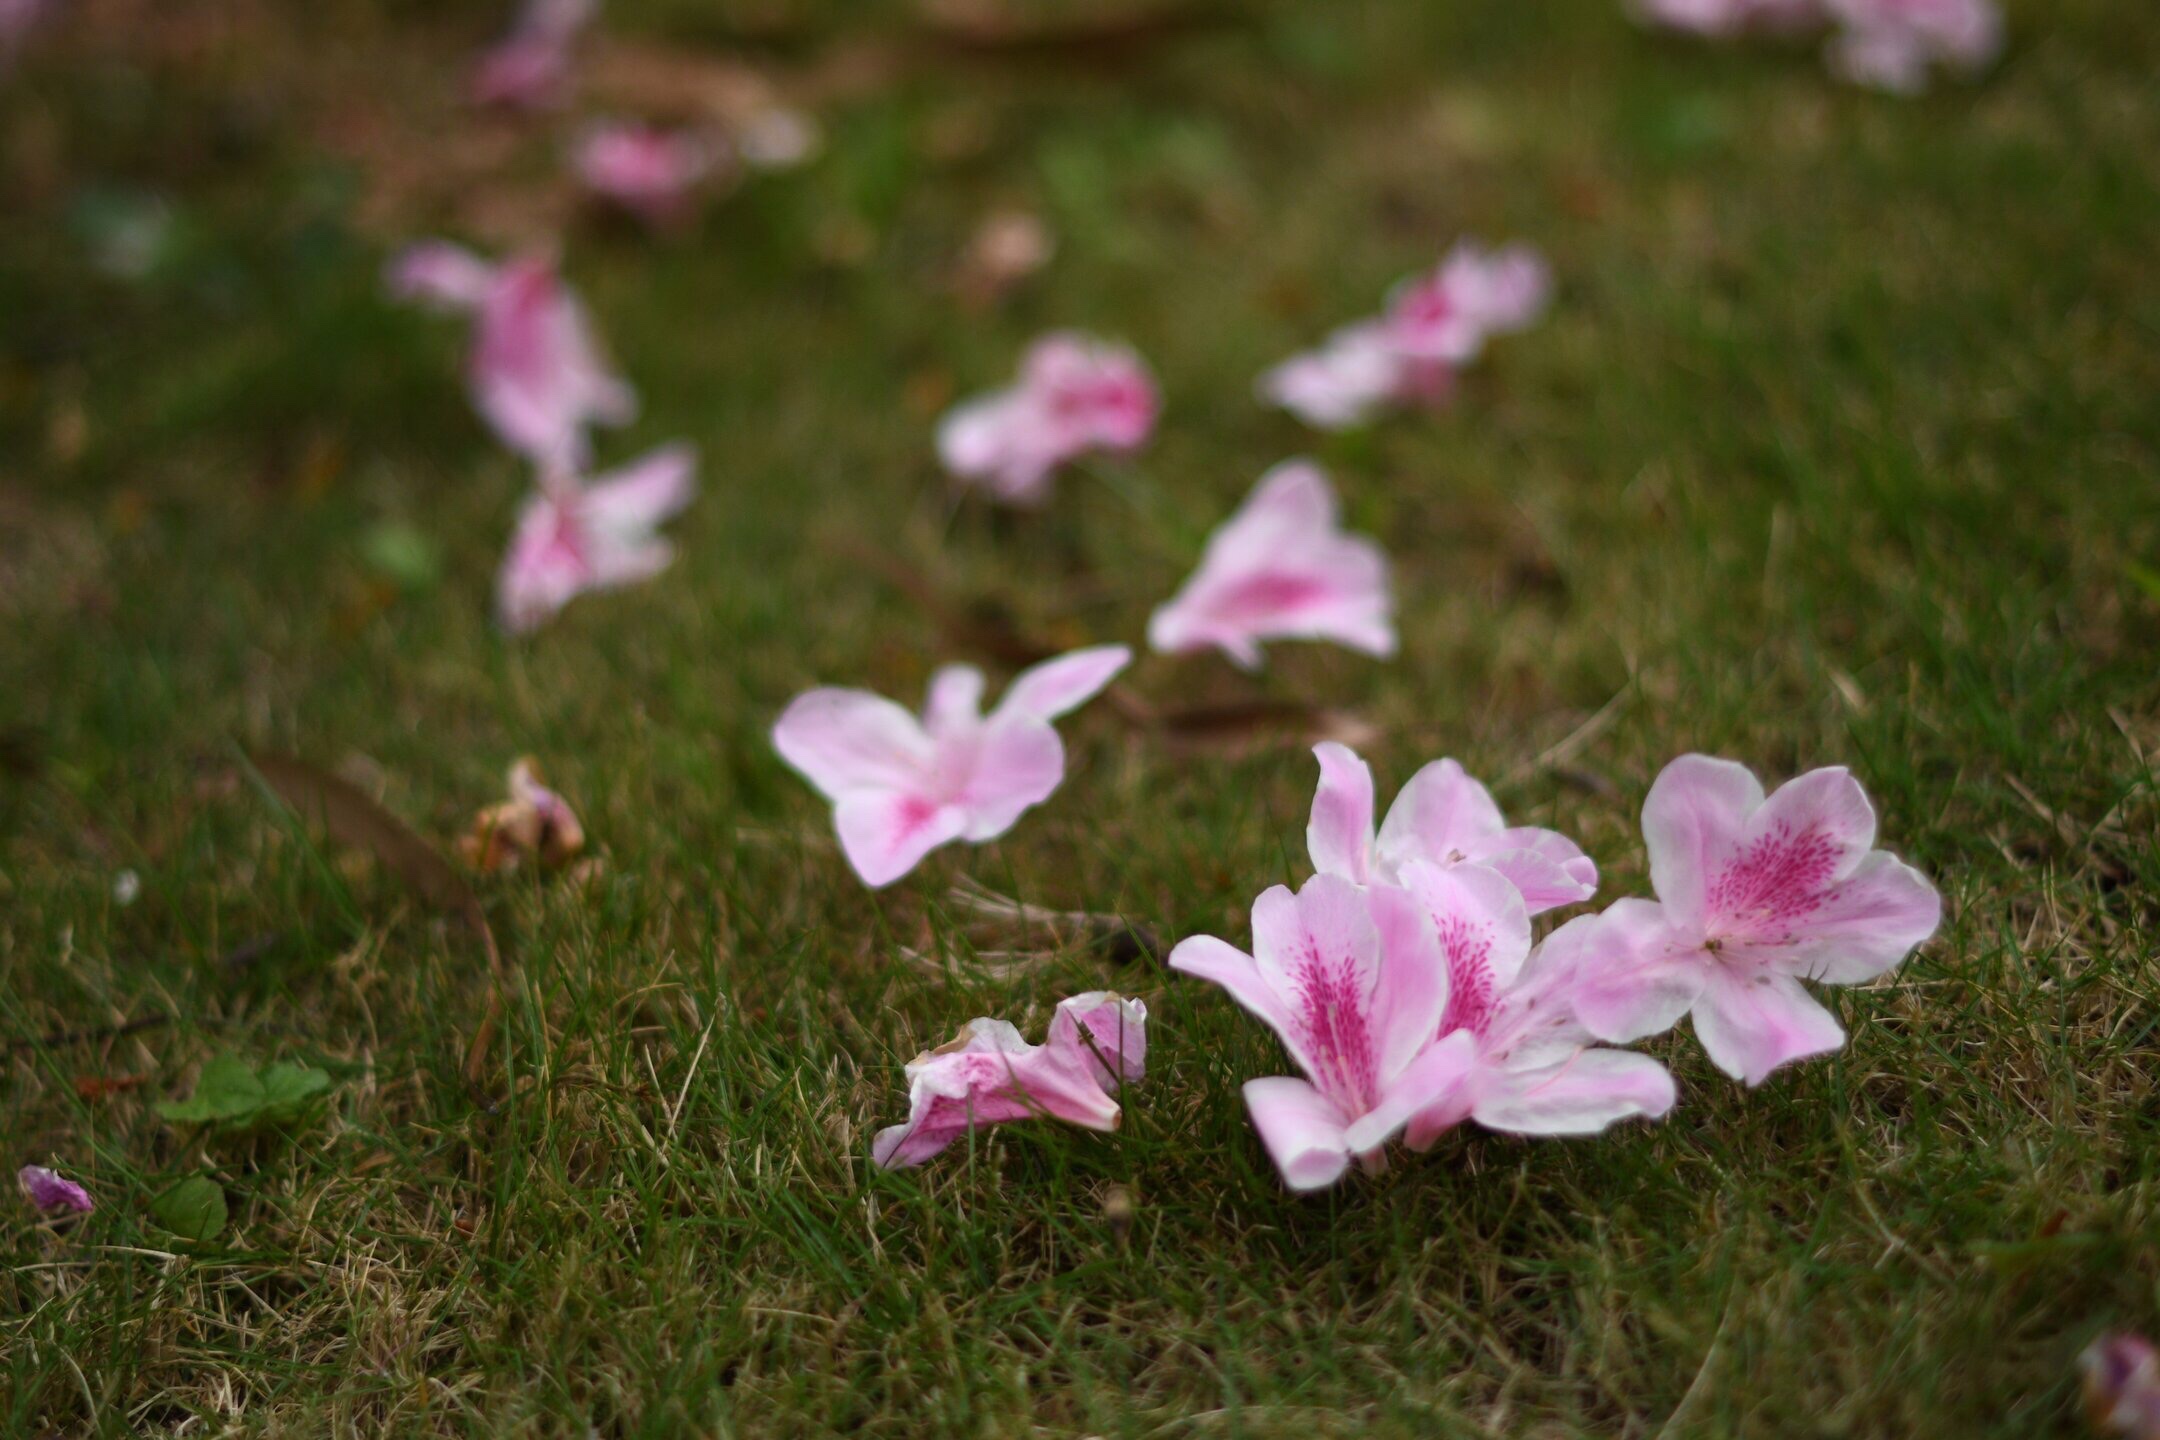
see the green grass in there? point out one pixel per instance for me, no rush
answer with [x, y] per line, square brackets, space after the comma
[1841, 446]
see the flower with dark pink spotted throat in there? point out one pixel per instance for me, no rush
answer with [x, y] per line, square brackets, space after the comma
[903, 786]
[990, 1075]
[1755, 895]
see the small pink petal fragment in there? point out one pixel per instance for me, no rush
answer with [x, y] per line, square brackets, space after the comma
[1075, 395]
[1281, 567]
[990, 1075]
[1892, 45]
[2121, 1381]
[530, 67]
[651, 173]
[48, 1191]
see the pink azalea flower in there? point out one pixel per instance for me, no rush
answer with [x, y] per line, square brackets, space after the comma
[1281, 568]
[1442, 818]
[1434, 324]
[1446, 316]
[1890, 44]
[901, 787]
[648, 172]
[2121, 1376]
[535, 371]
[1754, 896]
[1074, 395]
[48, 1191]
[574, 536]
[529, 68]
[989, 1074]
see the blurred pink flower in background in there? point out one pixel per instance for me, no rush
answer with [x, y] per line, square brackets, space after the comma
[1892, 44]
[1434, 324]
[48, 1191]
[577, 535]
[2121, 1379]
[1074, 395]
[537, 375]
[903, 786]
[651, 173]
[530, 67]
[989, 1075]
[1755, 895]
[1729, 17]
[1281, 568]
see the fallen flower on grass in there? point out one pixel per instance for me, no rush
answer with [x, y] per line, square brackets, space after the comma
[48, 1191]
[903, 786]
[1443, 817]
[1434, 324]
[1075, 394]
[575, 536]
[2121, 1381]
[1281, 568]
[1892, 44]
[1755, 895]
[1414, 1009]
[649, 172]
[536, 373]
[529, 68]
[534, 823]
[989, 1075]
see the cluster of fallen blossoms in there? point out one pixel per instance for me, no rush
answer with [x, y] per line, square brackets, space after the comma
[1885, 44]
[1404, 981]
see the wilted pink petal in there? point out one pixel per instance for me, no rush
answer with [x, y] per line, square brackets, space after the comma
[577, 536]
[1755, 895]
[989, 1075]
[1281, 568]
[49, 1192]
[529, 68]
[649, 172]
[1074, 395]
[1892, 44]
[902, 786]
[2121, 1375]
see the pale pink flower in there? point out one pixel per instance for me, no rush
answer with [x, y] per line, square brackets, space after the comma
[903, 786]
[1342, 383]
[529, 68]
[48, 1191]
[649, 172]
[2121, 1375]
[1444, 818]
[579, 535]
[1891, 44]
[1074, 395]
[536, 373]
[1755, 895]
[1281, 568]
[989, 1074]
[1434, 324]
[1446, 316]
[1729, 17]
